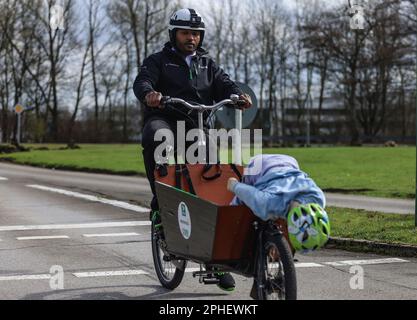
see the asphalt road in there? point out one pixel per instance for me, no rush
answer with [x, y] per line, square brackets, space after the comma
[93, 230]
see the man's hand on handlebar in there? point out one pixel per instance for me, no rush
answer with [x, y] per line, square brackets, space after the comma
[153, 99]
[245, 102]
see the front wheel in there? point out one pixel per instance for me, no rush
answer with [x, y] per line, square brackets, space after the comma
[275, 270]
[169, 271]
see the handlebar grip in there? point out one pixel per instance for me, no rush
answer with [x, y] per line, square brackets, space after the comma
[164, 100]
[236, 101]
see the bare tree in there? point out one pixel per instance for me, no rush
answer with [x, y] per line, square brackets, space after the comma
[261, 54]
[20, 55]
[127, 71]
[217, 37]
[143, 22]
[79, 90]
[5, 75]
[53, 45]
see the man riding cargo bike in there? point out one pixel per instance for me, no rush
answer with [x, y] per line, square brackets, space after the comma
[182, 69]
[193, 217]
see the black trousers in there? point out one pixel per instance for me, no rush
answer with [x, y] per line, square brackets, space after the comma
[149, 145]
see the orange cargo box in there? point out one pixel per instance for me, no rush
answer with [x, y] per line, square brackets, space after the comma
[204, 227]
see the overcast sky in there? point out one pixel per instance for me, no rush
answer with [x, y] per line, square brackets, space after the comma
[202, 5]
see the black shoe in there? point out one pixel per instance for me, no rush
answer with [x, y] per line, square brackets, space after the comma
[226, 281]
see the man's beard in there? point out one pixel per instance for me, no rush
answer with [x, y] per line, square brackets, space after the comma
[190, 45]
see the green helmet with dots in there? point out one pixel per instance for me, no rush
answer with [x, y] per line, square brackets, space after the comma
[308, 227]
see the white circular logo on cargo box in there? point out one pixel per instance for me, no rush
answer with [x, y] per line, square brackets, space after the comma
[184, 220]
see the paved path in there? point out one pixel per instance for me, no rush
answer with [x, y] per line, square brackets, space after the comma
[371, 203]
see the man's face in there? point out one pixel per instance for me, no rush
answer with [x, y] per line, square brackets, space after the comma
[188, 41]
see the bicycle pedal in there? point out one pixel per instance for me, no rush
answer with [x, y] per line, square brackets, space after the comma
[207, 280]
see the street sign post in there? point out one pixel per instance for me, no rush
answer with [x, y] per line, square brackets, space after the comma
[19, 110]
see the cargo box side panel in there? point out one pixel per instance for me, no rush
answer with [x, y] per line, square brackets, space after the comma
[235, 234]
[189, 223]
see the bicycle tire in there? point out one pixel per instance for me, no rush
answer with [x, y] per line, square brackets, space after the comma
[178, 274]
[286, 277]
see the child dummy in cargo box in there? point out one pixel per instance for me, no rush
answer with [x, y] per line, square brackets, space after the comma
[274, 187]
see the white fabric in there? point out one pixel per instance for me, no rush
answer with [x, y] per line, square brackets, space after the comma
[188, 59]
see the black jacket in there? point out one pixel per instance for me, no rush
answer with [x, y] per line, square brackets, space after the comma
[167, 72]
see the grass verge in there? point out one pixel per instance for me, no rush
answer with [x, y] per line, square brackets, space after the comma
[372, 226]
[370, 171]
[111, 159]
[383, 172]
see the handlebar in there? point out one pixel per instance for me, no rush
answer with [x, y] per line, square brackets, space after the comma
[234, 99]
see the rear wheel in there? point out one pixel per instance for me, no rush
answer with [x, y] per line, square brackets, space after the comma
[275, 270]
[169, 271]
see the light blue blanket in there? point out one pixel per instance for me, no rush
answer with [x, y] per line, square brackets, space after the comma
[279, 181]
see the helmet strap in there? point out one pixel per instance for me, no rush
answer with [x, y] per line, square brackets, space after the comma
[173, 38]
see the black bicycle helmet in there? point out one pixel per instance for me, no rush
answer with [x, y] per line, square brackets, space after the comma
[187, 19]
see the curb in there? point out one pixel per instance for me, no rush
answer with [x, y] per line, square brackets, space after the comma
[402, 250]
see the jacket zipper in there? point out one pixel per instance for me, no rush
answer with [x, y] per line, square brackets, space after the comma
[194, 67]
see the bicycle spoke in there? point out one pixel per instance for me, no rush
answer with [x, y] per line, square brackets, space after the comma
[274, 275]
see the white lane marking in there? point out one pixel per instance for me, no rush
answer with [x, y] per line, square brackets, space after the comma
[335, 264]
[77, 226]
[188, 270]
[297, 265]
[115, 203]
[127, 234]
[308, 265]
[365, 262]
[3, 179]
[26, 277]
[192, 269]
[42, 238]
[109, 273]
